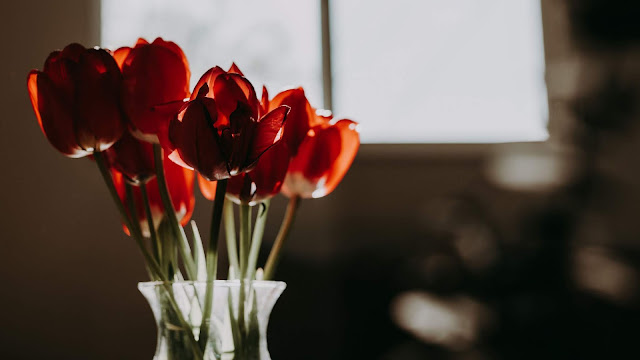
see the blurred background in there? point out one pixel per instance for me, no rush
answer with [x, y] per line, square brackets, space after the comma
[491, 213]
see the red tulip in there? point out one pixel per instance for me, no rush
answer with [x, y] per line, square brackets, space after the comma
[76, 98]
[301, 118]
[322, 150]
[264, 181]
[180, 182]
[221, 132]
[133, 158]
[155, 75]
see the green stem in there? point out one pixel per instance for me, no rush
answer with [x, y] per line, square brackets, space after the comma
[133, 213]
[212, 260]
[181, 237]
[152, 228]
[256, 240]
[283, 233]
[230, 232]
[197, 352]
[245, 238]
[233, 323]
[152, 265]
[214, 233]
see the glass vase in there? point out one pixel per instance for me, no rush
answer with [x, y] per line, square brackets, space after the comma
[235, 327]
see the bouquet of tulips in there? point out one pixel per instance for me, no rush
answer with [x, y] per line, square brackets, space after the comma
[131, 112]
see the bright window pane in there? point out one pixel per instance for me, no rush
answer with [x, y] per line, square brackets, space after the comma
[275, 42]
[440, 70]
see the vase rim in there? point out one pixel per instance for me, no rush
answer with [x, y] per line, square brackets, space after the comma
[218, 283]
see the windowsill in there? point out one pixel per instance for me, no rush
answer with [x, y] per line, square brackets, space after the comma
[383, 151]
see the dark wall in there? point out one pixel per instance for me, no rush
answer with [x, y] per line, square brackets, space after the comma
[70, 273]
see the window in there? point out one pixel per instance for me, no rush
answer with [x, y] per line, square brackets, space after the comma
[408, 71]
[277, 48]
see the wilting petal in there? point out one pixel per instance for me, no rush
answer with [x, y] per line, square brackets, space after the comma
[207, 188]
[267, 131]
[323, 159]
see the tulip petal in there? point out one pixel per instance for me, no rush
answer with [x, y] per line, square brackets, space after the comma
[234, 69]
[231, 89]
[133, 158]
[54, 114]
[323, 159]
[300, 119]
[32, 85]
[180, 182]
[207, 78]
[270, 171]
[173, 47]
[169, 111]
[207, 188]
[153, 74]
[175, 157]
[267, 131]
[141, 42]
[262, 182]
[62, 73]
[98, 121]
[264, 102]
[196, 139]
[120, 55]
[73, 52]
[350, 142]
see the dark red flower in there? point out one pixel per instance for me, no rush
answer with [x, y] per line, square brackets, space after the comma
[156, 81]
[76, 98]
[264, 181]
[221, 132]
[322, 150]
[133, 158]
[180, 182]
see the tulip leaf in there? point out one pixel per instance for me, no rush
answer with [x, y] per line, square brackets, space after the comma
[198, 254]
